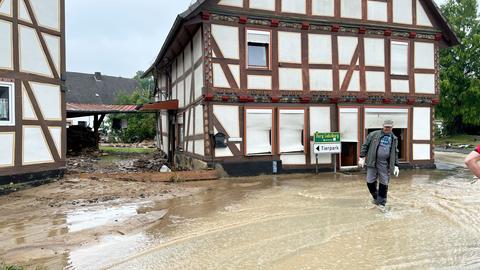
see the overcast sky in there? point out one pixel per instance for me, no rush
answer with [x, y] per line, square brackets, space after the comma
[119, 37]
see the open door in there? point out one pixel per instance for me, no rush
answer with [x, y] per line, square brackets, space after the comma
[348, 126]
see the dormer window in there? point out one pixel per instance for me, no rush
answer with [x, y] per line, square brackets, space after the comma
[258, 49]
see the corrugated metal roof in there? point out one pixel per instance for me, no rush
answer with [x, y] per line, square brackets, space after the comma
[100, 108]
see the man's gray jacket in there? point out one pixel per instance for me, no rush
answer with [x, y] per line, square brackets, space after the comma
[370, 147]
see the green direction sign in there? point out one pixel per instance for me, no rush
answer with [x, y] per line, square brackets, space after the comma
[330, 137]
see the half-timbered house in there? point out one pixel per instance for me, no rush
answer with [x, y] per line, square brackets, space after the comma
[32, 107]
[268, 74]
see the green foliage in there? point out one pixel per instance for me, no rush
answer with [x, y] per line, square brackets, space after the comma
[126, 150]
[141, 126]
[460, 69]
[10, 267]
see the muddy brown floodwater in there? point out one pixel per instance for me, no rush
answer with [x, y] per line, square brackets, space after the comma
[289, 222]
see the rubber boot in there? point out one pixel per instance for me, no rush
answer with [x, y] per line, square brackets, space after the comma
[382, 194]
[372, 187]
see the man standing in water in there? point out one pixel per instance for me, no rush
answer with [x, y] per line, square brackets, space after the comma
[472, 161]
[381, 153]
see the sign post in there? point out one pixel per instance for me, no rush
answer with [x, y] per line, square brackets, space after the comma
[327, 143]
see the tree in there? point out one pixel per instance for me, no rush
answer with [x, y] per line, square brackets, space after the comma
[460, 69]
[141, 126]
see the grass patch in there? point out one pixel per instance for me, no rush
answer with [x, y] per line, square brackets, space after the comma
[10, 267]
[458, 140]
[127, 150]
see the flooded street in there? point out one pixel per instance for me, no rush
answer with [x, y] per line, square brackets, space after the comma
[322, 222]
[270, 222]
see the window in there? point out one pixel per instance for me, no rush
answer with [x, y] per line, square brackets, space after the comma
[258, 131]
[7, 110]
[292, 124]
[258, 48]
[399, 58]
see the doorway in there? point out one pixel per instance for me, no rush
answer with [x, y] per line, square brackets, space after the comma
[401, 134]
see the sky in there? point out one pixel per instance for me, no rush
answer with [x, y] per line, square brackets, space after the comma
[119, 37]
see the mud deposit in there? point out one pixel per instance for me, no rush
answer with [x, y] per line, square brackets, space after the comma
[283, 222]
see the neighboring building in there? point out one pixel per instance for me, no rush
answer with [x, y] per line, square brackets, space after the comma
[269, 74]
[32, 101]
[87, 92]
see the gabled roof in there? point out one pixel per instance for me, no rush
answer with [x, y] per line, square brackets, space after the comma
[450, 36]
[87, 89]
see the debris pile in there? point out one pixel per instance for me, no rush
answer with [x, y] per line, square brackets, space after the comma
[79, 139]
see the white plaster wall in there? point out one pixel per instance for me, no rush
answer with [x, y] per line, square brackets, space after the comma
[174, 91]
[422, 18]
[229, 118]
[259, 82]
[35, 147]
[188, 89]
[180, 67]
[346, 49]
[424, 55]
[293, 159]
[323, 7]
[351, 9]
[56, 133]
[377, 11]
[233, 3]
[6, 7]
[227, 40]
[199, 120]
[375, 81]
[421, 152]
[319, 49]
[32, 56]
[200, 147]
[49, 99]
[400, 86]
[349, 124]
[23, 12]
[421, 124]
[425, 83]
[6, 45]
[53, 45]
[197, 45]
[27, 108]
[174, 70]
[374, 52]
[263, 4]
[289, 47]
[235, 70]
[187, 54]
[402, 11]
[354, 85]
[399, 58]
[198, 82]
[47, 13]
[7, 144]
[294, 6]
[319, 122]
[290, 79]
[321, 80]
[223, 152]
[181, 94]
[219, 78]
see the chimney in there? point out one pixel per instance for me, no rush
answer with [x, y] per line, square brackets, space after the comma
[98, 76]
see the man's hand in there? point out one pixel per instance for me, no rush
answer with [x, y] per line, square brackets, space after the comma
[361, 162]
[396, 171]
